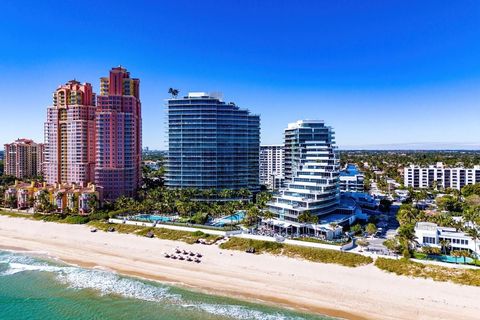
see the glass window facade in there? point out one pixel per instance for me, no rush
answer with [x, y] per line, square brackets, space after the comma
[212, 145]
[313, 167]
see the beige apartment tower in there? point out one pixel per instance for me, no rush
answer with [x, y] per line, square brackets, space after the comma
[24, 158]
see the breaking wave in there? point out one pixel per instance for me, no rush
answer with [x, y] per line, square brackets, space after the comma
[110, 283]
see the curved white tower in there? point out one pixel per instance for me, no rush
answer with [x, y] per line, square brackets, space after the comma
[314, 185]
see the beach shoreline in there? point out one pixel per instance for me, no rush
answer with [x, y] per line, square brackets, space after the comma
[239, 295]
[351, 293]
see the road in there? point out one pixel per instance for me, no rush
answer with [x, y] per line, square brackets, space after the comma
[376, 243]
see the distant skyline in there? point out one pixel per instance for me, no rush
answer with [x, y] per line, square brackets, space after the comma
[389, 74]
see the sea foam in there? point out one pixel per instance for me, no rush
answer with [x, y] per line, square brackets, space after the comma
[110, 283]
[242, 313]
[105, 282]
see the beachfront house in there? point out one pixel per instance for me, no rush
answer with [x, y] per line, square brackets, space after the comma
[431, 235]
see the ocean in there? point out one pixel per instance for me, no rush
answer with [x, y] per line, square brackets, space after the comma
[33, 288]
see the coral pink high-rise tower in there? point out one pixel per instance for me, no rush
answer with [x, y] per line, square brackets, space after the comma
[70, 135]
[118, 124]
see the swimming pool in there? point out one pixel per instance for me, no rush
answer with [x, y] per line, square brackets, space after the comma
[152, 218]
[451, 259]
[231, 219]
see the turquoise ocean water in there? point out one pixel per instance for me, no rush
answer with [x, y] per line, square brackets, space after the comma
[37, 288]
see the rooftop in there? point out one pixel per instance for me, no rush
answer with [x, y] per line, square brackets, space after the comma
[301, 123]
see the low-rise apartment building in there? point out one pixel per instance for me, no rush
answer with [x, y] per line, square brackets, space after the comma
[351, 179]
[440, 176]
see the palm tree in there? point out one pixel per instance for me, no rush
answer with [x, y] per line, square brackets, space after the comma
[407, 214]
[464, 254]
[75, 203]
[244, 193]
[262, 198]
[225, 193]
[470, 215]
[313, 219]
[474, 257]
[30, 201]
[456, 254]
[371, 228]
[210, 193]
[304, 218]
[173, 92]
[252, 216]
[11, 201]
[92, 202]
[406, 233]
[44, 201]
[474, 233]
[268, 215]
[445, 244]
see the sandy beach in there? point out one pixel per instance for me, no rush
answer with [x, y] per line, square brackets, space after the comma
[351, 293]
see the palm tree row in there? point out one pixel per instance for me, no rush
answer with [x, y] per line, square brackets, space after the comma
[189, 202]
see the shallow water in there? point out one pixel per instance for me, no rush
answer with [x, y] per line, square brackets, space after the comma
[37, 288]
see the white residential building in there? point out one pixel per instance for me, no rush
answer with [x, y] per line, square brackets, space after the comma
[351, 179]
[430, 234]
[272, 166]
[315, 183]
[441, 176]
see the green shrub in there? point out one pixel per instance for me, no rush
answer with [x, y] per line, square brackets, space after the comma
[38, 216]
[76, 219]
[51, 218]
[100, 215]
[356, 229]
[307, 253]
[260, 246]
[199, 218]
[315, 240]
[420, 255]
[100, 225]
[431, 250]
[15, 214]
[161, 233]
[393, 245]
[327, 256]
[438, 273]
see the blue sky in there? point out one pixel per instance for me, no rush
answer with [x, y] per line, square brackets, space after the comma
[379, 72]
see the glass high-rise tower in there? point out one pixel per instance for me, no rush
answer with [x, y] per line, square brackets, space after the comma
[211, 144]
